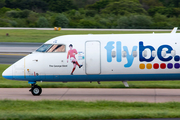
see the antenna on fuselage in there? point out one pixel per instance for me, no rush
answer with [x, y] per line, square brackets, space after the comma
[174, 30]
[125, 83]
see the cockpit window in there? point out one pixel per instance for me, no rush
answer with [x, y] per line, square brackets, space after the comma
[44, 48]
[57, 48]
[49, 48]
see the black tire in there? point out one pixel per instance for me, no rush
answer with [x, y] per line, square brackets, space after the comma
[36, 90]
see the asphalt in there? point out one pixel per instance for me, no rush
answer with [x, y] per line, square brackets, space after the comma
[19, 44]
[92, 94]
[15, 47]
[10, 58]
[10, 52]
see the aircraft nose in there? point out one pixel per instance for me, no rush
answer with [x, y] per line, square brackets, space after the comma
[8, 73]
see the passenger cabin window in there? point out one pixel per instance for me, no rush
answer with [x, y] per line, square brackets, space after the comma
[57, 48]
[173, 53]
[163, 53]
[134, 53]
[51, 48]
[124, 54]
[113, 54]
[153, 53]
[144, 53]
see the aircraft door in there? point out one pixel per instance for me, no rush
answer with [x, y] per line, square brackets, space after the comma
[92, 57]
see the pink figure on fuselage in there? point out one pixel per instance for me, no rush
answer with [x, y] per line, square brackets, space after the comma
[72, 52]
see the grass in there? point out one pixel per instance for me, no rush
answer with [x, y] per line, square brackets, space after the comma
[78, 110]
[42, 36]
[4, 83]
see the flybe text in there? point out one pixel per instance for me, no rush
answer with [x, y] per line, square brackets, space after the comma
[129, 54]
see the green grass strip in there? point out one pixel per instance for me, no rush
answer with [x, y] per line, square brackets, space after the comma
[42, 36]
[77, 110]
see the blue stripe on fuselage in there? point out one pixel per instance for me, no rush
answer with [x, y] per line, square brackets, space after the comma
[116, 77]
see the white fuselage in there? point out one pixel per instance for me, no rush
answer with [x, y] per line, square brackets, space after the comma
[111, 57]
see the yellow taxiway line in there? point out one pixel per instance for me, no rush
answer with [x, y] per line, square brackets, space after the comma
[13, 54]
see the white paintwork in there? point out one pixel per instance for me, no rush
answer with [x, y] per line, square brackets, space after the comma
[42, 65]
[174, 30]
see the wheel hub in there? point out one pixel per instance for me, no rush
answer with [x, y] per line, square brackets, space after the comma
[36, 90]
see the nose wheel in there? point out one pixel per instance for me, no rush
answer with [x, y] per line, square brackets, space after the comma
[35, 90]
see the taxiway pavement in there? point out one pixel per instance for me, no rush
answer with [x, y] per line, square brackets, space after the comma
[92, 94]
[15, 47]
[10, 58]
[10, 52]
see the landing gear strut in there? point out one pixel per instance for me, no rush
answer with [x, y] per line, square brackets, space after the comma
[35, 89]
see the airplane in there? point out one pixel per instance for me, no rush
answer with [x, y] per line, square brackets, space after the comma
[101, 57]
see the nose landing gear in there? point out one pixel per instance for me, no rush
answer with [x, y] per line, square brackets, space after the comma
[35, 90]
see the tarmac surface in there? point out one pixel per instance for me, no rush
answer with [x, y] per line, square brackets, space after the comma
[10, 58]
[92, 94]
[15, 47]
[10, 52]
